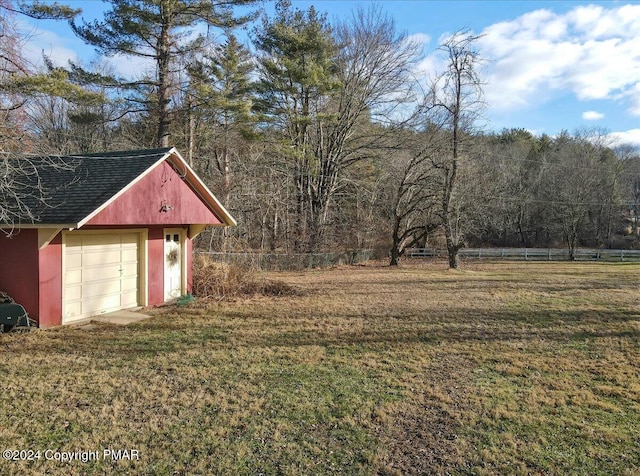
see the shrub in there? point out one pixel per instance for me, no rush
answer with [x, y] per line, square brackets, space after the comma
[226, 281]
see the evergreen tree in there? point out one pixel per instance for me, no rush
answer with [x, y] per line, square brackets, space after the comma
[298, 77]
[219, 102]
[322, 87]
[158, 31]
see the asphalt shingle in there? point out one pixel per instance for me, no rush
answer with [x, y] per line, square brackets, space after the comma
[66, 189]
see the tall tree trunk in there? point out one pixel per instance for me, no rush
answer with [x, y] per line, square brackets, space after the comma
[191, 130]
[274, 229]
[453, 246]
[226, 176]
[451, 235]
[461, 103]
[301, 224]
[395, 247]
[523, 240]
[164, 99]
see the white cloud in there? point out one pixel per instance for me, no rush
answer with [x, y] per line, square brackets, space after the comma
[591, 51]
[592, 115]
[38, 42]
[632, 97]
[61, 50]
[631, 137]
[596, 22]
[419, 38]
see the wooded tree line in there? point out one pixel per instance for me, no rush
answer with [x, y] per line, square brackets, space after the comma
[315, 135]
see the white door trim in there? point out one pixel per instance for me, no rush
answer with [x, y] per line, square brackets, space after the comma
[182, 242]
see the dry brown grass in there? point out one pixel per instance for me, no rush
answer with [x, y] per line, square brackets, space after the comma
[213, 280]
[500, 368]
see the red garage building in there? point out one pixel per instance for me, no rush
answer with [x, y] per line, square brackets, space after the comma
[107, 231]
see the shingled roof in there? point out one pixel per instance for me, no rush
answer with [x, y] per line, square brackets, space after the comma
[75, 186]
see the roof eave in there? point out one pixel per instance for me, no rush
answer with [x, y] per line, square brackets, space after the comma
[27, 226]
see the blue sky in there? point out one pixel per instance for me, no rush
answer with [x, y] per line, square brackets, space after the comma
[552, 65]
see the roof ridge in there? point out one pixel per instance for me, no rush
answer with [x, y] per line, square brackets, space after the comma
[121, 153]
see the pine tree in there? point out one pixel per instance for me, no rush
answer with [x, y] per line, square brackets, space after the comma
[157, 31]
[298, 76]
[221, 96]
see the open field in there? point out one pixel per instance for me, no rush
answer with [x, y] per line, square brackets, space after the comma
[500, 368]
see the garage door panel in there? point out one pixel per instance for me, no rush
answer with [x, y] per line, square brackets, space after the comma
[129, 299]
[73, 276]
[73, 310]
[103, 241]
[130, 255]
[100, 305]
[129, 284]
[128, 270]
[102, 288]
[101, 273]
[73, 260]
[99, 258]
[129, 238]
[73, 293]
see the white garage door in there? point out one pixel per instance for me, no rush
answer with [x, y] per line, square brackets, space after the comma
[100, 274]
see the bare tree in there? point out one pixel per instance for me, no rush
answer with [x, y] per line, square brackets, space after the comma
[12, 65]
[456, 102]
[25, 191]
[512, 167]
[629, 158]
[22, 192]
[414, 192]
[323, 87]
[582, 189]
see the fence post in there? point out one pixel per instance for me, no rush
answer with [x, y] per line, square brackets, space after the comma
[621, 255]
[549, 253]
[526, 255]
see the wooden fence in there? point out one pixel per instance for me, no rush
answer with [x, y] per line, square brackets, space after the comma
[297, 261]
[530, 254]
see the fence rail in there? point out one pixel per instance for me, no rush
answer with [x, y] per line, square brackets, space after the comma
[530, 254]
[299, 261]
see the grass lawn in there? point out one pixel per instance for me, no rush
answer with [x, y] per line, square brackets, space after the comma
[499, 368]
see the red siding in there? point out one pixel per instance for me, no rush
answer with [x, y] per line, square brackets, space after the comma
[19, 269]
[156, 266]
[142, 204]
[50, 284]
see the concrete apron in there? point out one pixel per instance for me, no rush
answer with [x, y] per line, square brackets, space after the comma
[120, 318]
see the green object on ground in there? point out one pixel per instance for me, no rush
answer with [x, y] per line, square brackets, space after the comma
[184, 300]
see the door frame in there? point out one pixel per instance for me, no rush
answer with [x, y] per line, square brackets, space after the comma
[182, 239]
